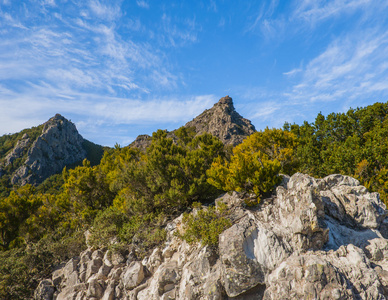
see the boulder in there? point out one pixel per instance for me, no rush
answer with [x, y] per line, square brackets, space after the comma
[45, 290]
[342, 274]
[240, 270]
[133, 275]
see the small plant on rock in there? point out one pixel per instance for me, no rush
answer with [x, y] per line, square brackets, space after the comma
[205, 224]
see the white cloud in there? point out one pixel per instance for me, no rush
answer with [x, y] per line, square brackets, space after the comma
[349, 68]
[143, 4]
[293, 72]
[43, 102]
[177, 33]
[316, 11]
[104, 11]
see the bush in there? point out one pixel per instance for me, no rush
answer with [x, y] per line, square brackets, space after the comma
[22, 269]
[205, 225]
[146, 232]
[106, 226]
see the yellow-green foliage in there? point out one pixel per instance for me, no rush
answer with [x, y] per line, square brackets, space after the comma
[145, 231]
[354, 143]
[106, 226]
[22, 268]
[168, 177]
[14, 211]
[87, 190]
[255, 163]
[205, 224]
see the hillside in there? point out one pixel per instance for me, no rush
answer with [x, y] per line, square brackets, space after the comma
[149, 222]
[222, 121]
[314, 239]
[35, 154]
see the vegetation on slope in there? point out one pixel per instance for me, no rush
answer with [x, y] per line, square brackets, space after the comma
[131, 194]
[354, 143]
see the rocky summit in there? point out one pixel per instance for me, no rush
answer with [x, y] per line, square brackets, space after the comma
[313, 239]
[59, 145]
[222, 121]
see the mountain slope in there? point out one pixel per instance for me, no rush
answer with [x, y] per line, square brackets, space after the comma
[313, 239]
[222, 121]
[54, 145]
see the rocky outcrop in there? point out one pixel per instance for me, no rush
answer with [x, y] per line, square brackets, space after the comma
[313, 239]
[59, 145]
[141, 142]
[19, 150]
[224, 122]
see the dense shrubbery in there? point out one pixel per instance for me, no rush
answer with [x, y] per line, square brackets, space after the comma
[256, 163]
[130, 195]
[354, 143]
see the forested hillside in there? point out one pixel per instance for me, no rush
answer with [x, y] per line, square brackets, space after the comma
[131, 194]
[354, 143]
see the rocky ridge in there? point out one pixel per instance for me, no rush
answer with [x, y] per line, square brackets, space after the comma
[222, 121]
[59, 145]
[313, 239]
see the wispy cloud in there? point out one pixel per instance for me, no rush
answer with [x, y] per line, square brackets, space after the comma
[107, 11]
[143, 4]
[178, 34]
[293, 72]
[93, 112]
[349, 68]
[80, 60]
[263, 13]
[316, 11]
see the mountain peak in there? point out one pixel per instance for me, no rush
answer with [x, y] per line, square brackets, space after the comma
[58, 145]
[223, 121]
[226, 101]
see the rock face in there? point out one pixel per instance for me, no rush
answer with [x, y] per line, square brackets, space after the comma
[313, 239]
[224, 122]
[141, 142]
[59, 145]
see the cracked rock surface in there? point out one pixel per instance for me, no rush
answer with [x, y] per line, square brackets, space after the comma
[313, 239]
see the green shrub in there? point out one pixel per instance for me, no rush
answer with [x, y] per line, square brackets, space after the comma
[106, 226]
[23, 268]
[205, 224]
[146, 232]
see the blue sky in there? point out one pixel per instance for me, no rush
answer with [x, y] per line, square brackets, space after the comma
[122, 68]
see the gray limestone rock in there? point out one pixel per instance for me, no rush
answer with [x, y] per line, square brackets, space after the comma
[240, 270]
[45, 290]
[343, 274]
[59, 145]
[224, 122]
[314, 239]
[133, 275]
[19, 150]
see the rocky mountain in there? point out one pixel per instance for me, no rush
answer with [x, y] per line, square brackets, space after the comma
[313, 239]
[222, 121]
[58, 145]
[35, 158]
